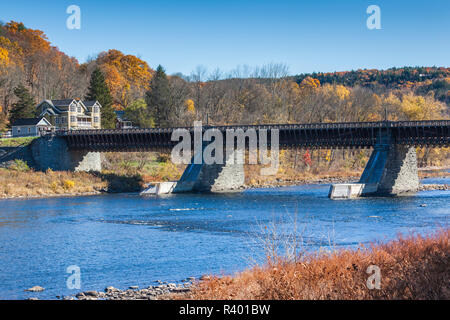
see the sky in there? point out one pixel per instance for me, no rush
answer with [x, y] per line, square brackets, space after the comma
[307, 36]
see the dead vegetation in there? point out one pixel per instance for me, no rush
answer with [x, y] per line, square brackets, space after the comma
[413, 267]
[20, 181]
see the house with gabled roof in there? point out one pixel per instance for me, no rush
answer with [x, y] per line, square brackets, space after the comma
[30, 127]
[71, 114]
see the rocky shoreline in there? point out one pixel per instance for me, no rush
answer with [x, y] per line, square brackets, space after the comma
[133, 292]
[430, 187]
[161, 291]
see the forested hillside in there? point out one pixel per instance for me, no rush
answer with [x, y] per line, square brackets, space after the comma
[31, 67]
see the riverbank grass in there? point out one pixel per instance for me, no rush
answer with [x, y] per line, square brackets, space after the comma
[15, 142]
[413, 267]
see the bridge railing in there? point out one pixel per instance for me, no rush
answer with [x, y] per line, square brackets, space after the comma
[341, 125]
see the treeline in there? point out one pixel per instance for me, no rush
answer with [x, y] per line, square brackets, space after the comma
[32, 70]
[422, 79]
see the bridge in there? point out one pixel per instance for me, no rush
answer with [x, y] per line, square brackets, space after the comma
[316, 135]
[391, 169]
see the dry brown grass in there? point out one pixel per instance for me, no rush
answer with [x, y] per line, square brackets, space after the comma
[414, 267]
[14, 183]
[30, 183]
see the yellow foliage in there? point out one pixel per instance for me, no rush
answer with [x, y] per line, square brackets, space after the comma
[341, 92]
[421, 108]
[68, 184]
[4, 57]
[310, 83]
[190, 106]
[329, 156]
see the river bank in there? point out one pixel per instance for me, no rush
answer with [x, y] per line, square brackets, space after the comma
[133, 292]
[35, 184]
[414, 267]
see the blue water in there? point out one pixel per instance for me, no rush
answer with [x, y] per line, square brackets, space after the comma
[125, 239]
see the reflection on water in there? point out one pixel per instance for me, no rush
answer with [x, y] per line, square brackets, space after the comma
[124, 240]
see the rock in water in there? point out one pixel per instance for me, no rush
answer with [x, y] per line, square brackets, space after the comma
[91, 293]
[36, 289]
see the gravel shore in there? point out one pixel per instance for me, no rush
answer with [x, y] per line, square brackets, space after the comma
[156, 292]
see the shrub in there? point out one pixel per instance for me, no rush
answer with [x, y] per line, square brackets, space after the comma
[414, 267]
[19, 165]
[163, 157]
[68, 184]
[54, 186]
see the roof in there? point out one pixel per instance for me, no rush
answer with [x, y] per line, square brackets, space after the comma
[90, 103]
[120, 114]
[28, 121]
[62, 103]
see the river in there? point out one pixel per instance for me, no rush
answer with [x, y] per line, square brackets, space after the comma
[126, 239]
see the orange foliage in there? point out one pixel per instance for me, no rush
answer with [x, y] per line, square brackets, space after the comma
[415, 267]
[127, 76]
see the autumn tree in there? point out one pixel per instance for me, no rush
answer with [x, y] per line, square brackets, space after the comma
[127, 76]
[25, 107]
[98, 91]
[158, 98]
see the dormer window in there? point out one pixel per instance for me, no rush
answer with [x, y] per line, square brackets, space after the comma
[79, 109]
[73, 108]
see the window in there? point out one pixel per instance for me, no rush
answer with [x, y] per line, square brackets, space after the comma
[18, 129]
[79, 109]
[56, 120]
[73, 119]
[73, 108]
[63, 119]
[95, 109]
[96, 119]
[29, 130]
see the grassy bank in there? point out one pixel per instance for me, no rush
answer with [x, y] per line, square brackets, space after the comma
[130, 171]
[18, 180]
[414, 267]
[15, 142]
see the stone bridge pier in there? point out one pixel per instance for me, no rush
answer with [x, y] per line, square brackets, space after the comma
[200, 177]
[53, 152]
[390, 171]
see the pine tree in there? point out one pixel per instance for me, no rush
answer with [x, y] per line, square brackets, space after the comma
[158, 98]
[99, 91]
[25, 107]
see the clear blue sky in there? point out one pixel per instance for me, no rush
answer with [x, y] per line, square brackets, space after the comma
[306, 35]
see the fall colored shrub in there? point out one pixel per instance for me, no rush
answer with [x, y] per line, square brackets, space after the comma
[413, 267]
[68, 184]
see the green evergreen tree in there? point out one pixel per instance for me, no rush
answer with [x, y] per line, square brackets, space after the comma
[158, 98]
[98, 90]
[137, 112]
[25, 107]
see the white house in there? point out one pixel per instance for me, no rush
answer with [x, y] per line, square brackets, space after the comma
[30, 127]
